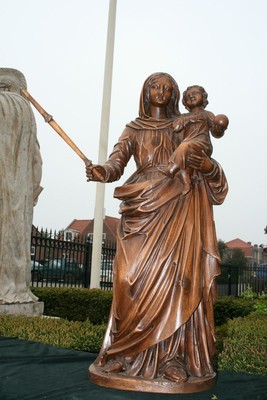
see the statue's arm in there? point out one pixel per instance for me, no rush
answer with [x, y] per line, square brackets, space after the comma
[37, 172]
[213, 175]
[190, 118]
[216, 184]
[113, 168]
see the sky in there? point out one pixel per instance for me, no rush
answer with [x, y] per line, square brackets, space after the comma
[60, 45]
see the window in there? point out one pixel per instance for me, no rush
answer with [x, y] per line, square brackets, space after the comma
[90, 237]
[68, 236]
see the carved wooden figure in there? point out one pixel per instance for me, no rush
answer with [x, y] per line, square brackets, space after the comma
[192, 133]
[160, 335]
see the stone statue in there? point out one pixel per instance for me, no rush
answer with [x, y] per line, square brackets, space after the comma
[20, 171]
[160, 336]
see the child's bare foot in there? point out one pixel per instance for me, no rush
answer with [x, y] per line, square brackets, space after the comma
[170, 170]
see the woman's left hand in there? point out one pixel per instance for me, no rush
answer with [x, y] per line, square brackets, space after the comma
[201, 163]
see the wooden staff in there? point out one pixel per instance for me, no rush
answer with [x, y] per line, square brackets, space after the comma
[49, 119]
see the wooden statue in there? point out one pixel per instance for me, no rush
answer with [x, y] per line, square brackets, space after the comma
[160, 335]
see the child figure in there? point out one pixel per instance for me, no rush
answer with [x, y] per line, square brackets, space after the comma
[192, 133]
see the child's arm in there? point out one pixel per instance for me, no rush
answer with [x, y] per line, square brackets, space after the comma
[185, 119]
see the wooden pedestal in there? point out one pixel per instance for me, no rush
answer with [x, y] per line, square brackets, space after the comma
[124, 382]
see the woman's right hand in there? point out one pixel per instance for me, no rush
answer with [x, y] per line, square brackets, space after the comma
[202, 163]
[95, 172]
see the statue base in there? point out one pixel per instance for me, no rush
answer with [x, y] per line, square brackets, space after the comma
[34, 309]
[124, 382]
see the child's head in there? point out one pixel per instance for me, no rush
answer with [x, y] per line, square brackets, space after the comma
[195, 96]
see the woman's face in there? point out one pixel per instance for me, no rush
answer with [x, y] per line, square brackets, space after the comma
[160, 92]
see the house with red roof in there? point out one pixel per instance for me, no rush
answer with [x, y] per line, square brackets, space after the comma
[85, 228]
[253, 253]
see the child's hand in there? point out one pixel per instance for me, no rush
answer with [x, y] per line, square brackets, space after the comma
[220, 125]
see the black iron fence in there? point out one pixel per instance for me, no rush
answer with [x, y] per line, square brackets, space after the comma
[60, 262]
[234, 280]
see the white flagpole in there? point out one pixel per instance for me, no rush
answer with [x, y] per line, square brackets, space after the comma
[103, 147]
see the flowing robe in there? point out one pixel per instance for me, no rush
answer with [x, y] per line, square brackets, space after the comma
[166, 259]
[20, 176]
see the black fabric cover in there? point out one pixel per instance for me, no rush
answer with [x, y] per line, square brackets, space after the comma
[34, 371]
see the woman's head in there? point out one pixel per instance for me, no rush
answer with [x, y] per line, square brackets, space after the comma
[172, 108]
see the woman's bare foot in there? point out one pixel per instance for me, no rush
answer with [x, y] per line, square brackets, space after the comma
[175, 374]
[113, 366]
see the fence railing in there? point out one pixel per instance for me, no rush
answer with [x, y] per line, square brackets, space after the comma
[234, 280]
[59, 262]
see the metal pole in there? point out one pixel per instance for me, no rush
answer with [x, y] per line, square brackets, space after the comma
[103, 146]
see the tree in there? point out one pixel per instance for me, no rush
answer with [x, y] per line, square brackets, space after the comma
[236, 258]
[222, 248]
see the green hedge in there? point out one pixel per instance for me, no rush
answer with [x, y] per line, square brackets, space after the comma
[82, 336]
[242, 344]
[94, 304]
[227, 308]
[76, 304]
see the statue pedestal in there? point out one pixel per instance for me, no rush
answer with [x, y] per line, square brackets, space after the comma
[160, 385]
[34, 309]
